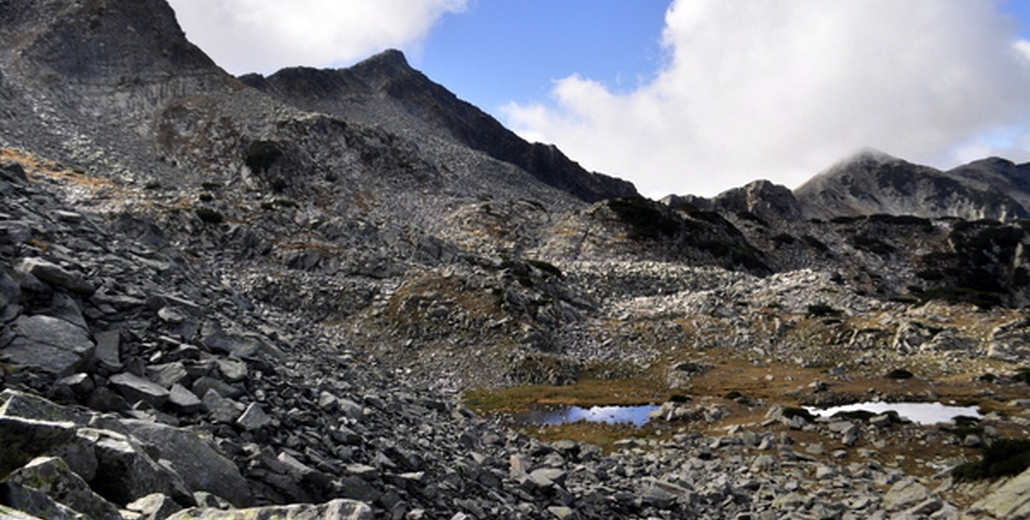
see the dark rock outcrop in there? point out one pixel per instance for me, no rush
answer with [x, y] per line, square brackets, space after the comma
[358, 91]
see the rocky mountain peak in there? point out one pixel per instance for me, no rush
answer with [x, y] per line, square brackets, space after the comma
[872, 182]
[109, 43]
[385, 91]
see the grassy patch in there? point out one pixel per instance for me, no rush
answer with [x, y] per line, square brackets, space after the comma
[599, 434]
[1004, 457]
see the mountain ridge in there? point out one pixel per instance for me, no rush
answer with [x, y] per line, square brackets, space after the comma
[326, 295]
[347, 93]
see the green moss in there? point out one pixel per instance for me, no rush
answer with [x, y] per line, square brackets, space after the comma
[1003, 457]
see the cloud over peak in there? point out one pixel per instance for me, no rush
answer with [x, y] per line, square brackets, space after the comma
[266, 35]
[783, 88]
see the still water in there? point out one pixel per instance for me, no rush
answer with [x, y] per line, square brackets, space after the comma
[921, 413]
[637, 415]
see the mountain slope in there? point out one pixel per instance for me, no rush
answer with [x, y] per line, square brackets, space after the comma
[872, 182]
[384, 90]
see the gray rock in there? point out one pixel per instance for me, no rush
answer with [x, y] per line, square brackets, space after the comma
[1010, 342]
[1010, 501]
[26, 439]
[232, 370]
[201, 467]
[10, 291]
[904, 494]
[546, 477]
[125, 472]
[154, 507]
[658, 497]
[24, 353]
[181, 400]
[168, 374]
[65, 307]
[49, 344]
[222, 410]
[103, 399]
[81, 383]
[55, 274]
[351, 409]
[204, 384]
[108, 349]
[52, 476]
[334, 510]
[34, 504]
[253, 418]
[29, 406]
[135, 388]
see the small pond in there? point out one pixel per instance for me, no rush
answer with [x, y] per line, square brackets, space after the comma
[637, 415]
[921, 413]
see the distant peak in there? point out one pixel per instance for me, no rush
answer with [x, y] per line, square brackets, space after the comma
[392, 59]
[869, 155]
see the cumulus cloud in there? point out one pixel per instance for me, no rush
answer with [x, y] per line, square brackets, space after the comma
[266, 35]
[781, 89]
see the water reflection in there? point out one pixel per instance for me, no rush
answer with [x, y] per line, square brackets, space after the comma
[637, 415]
[921, 413]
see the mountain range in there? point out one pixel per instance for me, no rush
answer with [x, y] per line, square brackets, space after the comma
[224, 292]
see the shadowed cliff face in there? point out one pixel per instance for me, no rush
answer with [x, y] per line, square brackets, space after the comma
[360, 91]
[104, 42]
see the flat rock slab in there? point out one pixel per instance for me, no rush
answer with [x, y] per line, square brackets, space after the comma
[335, 510]
[52, 476]
[135, 388]
[201, 467]
[54, 331]
[54, 274]
[1011, 500]
[28, 354]
[26, 439]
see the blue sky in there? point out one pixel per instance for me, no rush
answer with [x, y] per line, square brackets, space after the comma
[682, 96]
[497, 52]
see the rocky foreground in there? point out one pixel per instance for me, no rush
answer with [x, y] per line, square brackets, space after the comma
[138, 385]
[318, 294]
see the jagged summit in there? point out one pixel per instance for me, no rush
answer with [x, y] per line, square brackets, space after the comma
[100, 44]
[385, 91]
[873, 182]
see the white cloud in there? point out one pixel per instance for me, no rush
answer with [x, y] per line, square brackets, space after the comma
[266, 35]
[781, 89]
